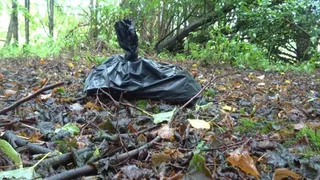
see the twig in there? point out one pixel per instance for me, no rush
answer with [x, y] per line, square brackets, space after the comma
[90, 169]
[196, 95]
[16, 104]
[117, 103]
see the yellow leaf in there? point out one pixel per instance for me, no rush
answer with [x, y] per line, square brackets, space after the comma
[242, 159]
[199, 124]
[229, 108]
[283, 173]
[70, 65]
[42, 61]
[194, 65]
[287, 81]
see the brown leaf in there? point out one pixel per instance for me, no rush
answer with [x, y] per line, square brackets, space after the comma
[313, 125]
[283, 173]
[166, 132]
[158, 158]
[241, 158]
[9, 92]
[91, 105]
[131, 128]
[174, 153]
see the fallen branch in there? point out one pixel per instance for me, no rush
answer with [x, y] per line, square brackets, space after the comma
[16, 104]
[15, 142]
[90, 169]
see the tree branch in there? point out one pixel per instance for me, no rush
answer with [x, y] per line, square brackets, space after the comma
[16, 104]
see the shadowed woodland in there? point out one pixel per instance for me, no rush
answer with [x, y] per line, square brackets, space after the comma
[256, 64]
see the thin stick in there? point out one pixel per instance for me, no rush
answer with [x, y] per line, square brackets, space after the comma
[16, 104]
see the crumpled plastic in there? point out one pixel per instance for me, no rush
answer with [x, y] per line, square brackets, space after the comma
[140, 78]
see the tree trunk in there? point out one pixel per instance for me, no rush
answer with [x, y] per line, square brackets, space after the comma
[50, 5]
[93, 32]
[13, 25]
[26, 20]
[172, 42]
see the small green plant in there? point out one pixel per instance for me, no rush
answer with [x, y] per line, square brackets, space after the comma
[314, 138]
[247, 126]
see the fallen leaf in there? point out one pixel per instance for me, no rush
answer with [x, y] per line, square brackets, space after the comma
[299, 126]
[261, 84]
[132, 172]
[313, 125]
[241, 158]
[70, 65]
[236, 84]
[8, 150]
[261, 77]
[166, 132]
[283, 173]
[199, 124]
[77, 107]
[174, 153]
[9, 92]
[158, 158]
[91, 105]
[163, 116]
[42, 61]
[198, 169]
[229, 108]
[45, 96]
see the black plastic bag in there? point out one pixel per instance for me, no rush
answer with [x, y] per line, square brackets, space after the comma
[142, 77]
[127, 38]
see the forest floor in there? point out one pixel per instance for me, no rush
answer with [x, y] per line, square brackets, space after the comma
[258, 125]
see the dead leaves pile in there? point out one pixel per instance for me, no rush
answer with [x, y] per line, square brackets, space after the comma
[258, 125]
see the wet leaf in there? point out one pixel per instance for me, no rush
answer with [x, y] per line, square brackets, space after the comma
[132, 172]
[199, 124]
[164, 116]
[197, 167]
[8, 150]
[142, 104]
[204, 107]
[72, 128]
[242, 159]
[22, 173]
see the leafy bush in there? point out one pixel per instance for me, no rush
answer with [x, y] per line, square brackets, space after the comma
[232, 51]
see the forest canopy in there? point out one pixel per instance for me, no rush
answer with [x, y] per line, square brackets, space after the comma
[244, 33]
